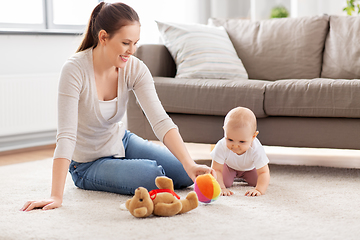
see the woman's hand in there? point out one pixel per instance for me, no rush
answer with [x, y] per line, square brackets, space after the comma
[60, 169]
[197, 169]
[47, 204]
[175, 144]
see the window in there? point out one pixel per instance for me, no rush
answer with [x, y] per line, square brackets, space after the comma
[37, 15]
[70, 14]
[30, 14]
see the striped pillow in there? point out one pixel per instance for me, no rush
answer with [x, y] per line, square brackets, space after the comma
[201, 51]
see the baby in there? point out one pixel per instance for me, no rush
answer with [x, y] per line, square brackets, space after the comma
[240, 154]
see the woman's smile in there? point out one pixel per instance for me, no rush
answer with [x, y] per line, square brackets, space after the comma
[124, 58]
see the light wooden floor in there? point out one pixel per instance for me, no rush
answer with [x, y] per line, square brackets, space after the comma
[200, 152]
[26, 155]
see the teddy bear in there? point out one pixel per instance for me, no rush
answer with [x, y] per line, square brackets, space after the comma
[160, 202]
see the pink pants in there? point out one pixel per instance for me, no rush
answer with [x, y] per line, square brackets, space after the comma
[230, 174]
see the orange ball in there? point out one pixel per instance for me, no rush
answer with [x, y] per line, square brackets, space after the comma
[207, 188]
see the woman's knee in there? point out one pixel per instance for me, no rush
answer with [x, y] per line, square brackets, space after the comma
[147, 177]
[154, 170]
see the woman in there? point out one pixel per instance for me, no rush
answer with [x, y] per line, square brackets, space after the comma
[93, 92]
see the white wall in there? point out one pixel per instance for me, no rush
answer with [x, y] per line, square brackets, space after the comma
[230, 8]
[261, 9]
[31, 54]
[319, 7]
[30, 66]
[184, 11]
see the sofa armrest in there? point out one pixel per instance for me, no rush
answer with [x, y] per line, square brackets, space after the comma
[158, 59]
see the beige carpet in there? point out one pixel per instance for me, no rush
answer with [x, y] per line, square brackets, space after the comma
[301, 203]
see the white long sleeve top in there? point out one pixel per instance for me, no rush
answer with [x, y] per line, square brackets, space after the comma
[83, 134]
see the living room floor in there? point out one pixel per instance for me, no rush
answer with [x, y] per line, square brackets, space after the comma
[26, 155]
[201, 153]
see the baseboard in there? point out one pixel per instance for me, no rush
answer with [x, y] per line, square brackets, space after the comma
[339, 158]
[28, 140]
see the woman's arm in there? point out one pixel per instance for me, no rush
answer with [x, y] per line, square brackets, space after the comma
[175, 144]
[60, 169]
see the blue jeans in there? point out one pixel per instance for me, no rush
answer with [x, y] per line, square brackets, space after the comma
[143, 162]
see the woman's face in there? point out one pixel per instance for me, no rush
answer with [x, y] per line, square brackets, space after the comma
[122, 45]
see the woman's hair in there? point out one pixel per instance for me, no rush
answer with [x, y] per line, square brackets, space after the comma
[108, 17]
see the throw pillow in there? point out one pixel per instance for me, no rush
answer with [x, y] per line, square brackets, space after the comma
[342, 48]
[201, 51]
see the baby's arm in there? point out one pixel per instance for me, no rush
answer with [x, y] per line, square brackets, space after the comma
[262, 182]
[219, 169]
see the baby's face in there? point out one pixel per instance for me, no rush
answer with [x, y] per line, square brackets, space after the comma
[239, 139]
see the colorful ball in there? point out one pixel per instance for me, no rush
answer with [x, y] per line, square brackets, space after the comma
[207, 188]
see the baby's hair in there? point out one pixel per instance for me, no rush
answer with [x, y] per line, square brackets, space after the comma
[241, 117]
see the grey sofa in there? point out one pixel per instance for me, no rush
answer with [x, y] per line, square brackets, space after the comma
[303, 85]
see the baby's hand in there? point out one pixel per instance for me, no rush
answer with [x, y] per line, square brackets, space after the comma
[253, 193]
[226, 192]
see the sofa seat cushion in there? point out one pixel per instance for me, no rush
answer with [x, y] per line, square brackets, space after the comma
[342, 48]
[313, 98]
[274, 49]
[210, 96]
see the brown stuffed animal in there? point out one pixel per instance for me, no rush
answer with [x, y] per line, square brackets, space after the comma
[160, 202]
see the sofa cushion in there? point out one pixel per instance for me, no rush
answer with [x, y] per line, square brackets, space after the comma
[210, 96]
[287, 48]
[313, 98]
[201, 51]
[342, 48]
[158, 59]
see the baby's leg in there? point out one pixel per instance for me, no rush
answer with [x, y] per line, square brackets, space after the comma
[249, 176]
[229, 175]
